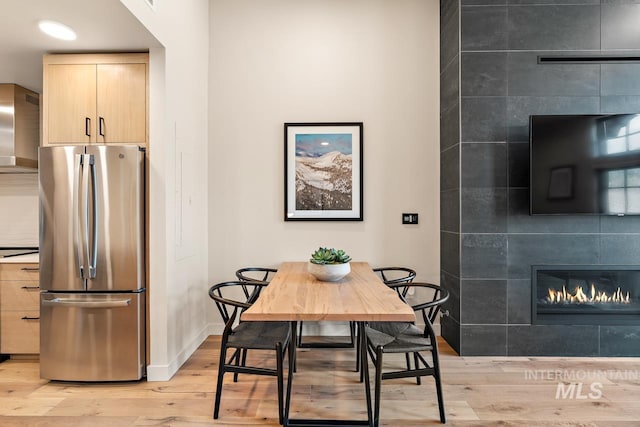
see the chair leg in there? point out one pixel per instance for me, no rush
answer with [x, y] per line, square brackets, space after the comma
[436, 376]
[406, 357]
[279, 361]
[299, 338]
[356, 341]
[221, 370]
[417, 364]
[237, 362]
[378, 387]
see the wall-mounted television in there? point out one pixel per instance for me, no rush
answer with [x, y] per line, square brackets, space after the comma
[584, 164]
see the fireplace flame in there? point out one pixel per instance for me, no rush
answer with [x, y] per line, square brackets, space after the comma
[580, 297]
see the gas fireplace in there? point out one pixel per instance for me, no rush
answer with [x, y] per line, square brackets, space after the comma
[585, 295]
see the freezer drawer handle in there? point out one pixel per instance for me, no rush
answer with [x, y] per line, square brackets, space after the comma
[30, 269]
[30, 318]
[68, 302]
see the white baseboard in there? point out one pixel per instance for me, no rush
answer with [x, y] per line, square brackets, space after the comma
[165, 372]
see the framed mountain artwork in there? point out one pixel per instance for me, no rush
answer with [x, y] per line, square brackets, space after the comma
[323, 171]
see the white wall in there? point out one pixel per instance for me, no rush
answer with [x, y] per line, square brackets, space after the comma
[374, 61]
[19, 210]
[178, 175]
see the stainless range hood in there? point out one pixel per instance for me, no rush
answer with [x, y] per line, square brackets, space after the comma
[19, 129]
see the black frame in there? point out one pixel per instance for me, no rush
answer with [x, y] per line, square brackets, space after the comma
[357, 203]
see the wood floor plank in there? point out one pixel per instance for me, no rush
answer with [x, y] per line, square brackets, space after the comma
[478, 392]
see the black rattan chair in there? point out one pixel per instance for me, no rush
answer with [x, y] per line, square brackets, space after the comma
[407, 338]
[254, 274]
[245, 336]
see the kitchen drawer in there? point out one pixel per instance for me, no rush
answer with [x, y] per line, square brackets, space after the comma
[20, 332]
[19, 272]
[19, 295]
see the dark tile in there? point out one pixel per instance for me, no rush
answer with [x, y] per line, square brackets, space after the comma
[620, 249]
[617, 341]
[620, 104]
[452, 305]
[518, 160]
[620, 29]
[483, 340]
[519, 301]
[555, 2]
[484, 210]
[552, 340]
[484, 74]
[450, 332]
[449, 86]
[563, 27]
[483, 119]
[519, 108]
[449, 32]
[526, 250]
[484, 28]
[484, 256]
[450, 210]
[483, 302]
[528, 78]
[450, 168]
[521, 222]
[484, 165]
[620, 224]
[483, 2]
[450, 253]
[450, 127]
[621, 79]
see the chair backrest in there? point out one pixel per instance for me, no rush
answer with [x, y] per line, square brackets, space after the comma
[228, 302]
[396, 275]
[256, 274]
[392, 275]
[430, 305]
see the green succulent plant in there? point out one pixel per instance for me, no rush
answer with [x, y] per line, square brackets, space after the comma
[329, 256]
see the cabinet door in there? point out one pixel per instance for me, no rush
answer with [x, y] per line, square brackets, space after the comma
[71, 103]
[122, 103]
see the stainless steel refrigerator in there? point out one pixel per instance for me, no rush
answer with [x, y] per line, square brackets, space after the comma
[92, 263]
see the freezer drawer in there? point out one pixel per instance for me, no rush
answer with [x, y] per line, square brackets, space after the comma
[92, 337]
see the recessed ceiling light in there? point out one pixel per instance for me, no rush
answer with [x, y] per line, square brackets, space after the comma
[57, 30]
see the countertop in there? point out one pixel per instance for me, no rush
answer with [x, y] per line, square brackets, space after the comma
[31, 258]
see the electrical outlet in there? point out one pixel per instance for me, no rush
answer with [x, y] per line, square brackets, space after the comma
[409, 218]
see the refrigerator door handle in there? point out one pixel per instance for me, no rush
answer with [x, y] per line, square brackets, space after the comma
[93, 255]
[68, 302]
[77, 212]
[84, 216]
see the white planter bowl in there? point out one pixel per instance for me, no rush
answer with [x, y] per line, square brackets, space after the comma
[329, 272]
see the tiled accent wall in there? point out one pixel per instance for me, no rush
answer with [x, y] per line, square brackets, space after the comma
[450, 167]
[491, 78]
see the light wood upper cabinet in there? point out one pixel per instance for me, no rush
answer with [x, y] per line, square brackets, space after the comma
[95, 98]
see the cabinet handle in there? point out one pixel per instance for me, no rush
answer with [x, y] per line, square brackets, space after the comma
[30, 287]
[101, 125]
[30, 318]
[87, 124]
[30, 269]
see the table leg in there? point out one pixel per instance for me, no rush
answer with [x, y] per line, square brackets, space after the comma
[364, 366]
[292, 362]
[287, 422]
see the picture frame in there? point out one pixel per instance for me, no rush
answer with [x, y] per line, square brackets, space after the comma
[323, 171]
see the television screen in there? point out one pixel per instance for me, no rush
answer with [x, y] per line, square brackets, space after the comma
[585, 164]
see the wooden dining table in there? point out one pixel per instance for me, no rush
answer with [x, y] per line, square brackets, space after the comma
[294, 295]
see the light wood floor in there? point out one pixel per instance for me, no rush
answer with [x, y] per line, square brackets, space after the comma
[479, 392]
